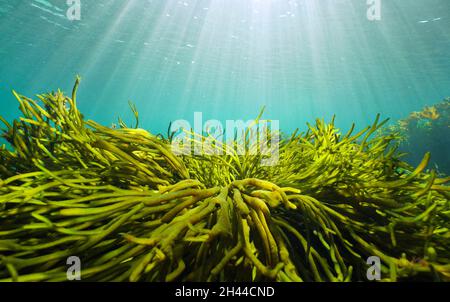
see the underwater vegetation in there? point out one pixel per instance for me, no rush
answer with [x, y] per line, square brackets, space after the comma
[427, 130]
[121, 201]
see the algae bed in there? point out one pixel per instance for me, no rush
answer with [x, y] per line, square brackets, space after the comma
[121, 201]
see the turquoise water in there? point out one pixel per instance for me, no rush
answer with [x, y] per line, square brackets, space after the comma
[227, 58]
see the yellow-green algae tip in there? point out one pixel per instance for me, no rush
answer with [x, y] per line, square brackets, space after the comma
[121, 201]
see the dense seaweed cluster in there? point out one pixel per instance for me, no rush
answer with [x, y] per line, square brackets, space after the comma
[121, 201]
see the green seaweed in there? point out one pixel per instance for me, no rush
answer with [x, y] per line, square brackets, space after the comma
[131, 210]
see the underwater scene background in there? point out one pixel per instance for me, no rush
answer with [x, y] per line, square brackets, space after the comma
[133, 210]
[301, 59]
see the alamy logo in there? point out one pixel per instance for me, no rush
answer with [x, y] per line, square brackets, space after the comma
[374, 10]
[374, 271]
[259, 138]
[74, 270]
[74, 11]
